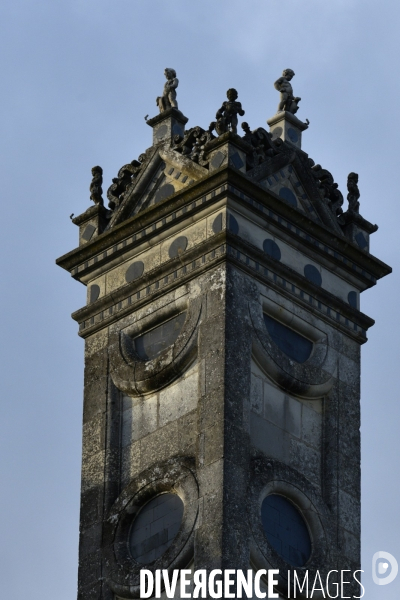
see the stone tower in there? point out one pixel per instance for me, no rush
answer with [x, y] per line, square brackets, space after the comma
[222, 355]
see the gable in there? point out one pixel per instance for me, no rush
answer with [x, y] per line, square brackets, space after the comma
[286, 184]
[165, 173]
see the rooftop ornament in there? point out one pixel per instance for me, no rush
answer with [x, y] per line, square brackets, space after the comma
[227, 115]
[354, 193]
[168, 98]
[288, 102]
[96, 191]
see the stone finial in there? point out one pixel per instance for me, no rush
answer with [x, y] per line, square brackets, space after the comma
[354, 193]
[227, 115]
[288, 102]
[168, 98]
[96, 190]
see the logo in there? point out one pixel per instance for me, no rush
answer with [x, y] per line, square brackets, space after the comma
[384, 568]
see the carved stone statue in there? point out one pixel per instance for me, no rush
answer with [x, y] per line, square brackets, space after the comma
[168, 99]
[354, 192]
[96, 190]
[288, 101]
[227, 115]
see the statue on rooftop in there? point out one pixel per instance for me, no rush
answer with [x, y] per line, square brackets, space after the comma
[227, 115]
[354, 192]
[168, 99]
[288, 101]
[96, 190]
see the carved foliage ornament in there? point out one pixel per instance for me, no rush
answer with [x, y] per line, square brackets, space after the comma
[126, 177]
[193, 144]
[328, 188]
[261, 142]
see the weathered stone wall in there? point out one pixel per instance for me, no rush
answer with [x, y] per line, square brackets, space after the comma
[158, 426]
[221, 410]
[188, 387]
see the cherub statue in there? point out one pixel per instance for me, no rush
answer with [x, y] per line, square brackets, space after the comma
[168, 99]
[354, 192]
[227, 115]
[288, 102]
[96, 190]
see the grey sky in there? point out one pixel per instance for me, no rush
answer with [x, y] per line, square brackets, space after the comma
[78, 79]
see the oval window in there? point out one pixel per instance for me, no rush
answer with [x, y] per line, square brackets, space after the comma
[285, 530]
[155, 527]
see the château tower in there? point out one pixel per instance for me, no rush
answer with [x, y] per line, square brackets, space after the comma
[222, 355]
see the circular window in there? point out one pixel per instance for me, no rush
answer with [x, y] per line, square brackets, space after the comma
[272, 249]
[178, 246]
[312, 274]
[293, 135]
[285, 530]
[155, 527]
[134, 271]
[163, 192]
[287, 194]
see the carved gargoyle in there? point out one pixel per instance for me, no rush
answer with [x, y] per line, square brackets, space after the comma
[354, 193]
[96, 191]
[116, 191]
[328, 188]
[226, 116]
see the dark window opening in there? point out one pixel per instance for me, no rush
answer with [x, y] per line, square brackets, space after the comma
[293, 344]
[151, 344]
[285, 530]
[155, 527]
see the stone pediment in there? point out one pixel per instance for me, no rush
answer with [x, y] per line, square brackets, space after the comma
[176, 161]
[287, 184]
[160, 174]
[293, 176]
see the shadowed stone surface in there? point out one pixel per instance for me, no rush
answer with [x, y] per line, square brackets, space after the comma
[94, 292]
[288, 195]
[150, 344]
[290, 342]
[272, 249]
[155, 527]
[286, 530]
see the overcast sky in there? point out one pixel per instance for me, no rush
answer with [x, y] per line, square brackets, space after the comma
[78, 78]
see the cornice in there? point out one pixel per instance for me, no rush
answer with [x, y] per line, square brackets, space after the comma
[238, 186]
[229, 248]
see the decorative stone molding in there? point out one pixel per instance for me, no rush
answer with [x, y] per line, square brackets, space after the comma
[175, 475]
[135, 377]
[312, 379]
[269, 476]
